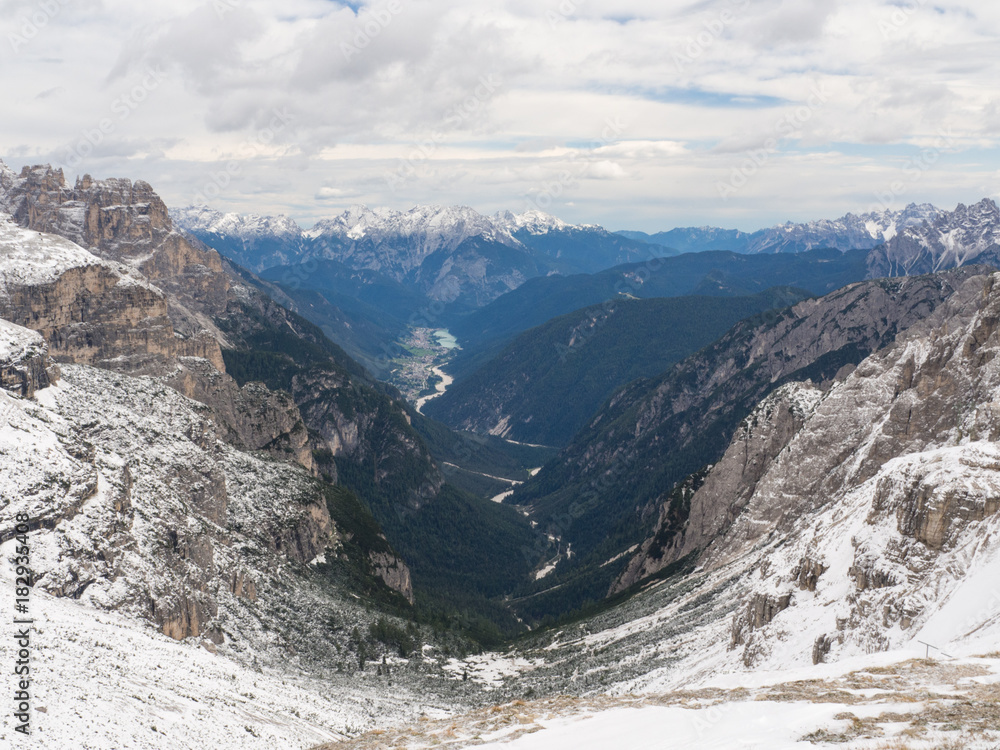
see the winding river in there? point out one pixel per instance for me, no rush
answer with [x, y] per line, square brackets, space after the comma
[440, 388]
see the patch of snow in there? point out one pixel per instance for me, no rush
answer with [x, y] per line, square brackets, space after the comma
[17, 343]
[750, 725]
[101, 680]
[547, 569]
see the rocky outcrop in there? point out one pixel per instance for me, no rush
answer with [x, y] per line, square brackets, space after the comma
[726, 490]
[654, 433]
[119, 220]
[136, 297]
[24, 363]
[969, 234]
[90, 316]
[393, 572]
[859, 521]
[807, 573]
[761, 610]
[104, 313]
[251, 417]
[148, 510]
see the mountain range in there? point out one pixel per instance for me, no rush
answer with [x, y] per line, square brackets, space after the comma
[850, 232]
[451, 254]
[97, 269]
[770, 505]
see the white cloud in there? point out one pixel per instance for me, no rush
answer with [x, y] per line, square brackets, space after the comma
[332, 193]
[694, 86]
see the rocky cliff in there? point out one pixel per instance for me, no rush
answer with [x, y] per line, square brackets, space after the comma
[24, 361]
[119, 220]
[845, 518]
[871, 499]
[163, 304]
[969, 234]
[653, 434]
[144, 300]
[138, 505]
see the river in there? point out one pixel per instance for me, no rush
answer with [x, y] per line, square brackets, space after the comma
[440, 388]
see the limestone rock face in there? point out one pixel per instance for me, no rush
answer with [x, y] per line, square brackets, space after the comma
[251, 417]
[24, 363]
[119, 220]
[393, 572]
[728, 487]
[184, 295]
[108, 314]
[853, 510]
[147, 510]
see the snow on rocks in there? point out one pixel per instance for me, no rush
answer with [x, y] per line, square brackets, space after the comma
[102, 680]
[17, 343]
[143, 519]
[30, 258]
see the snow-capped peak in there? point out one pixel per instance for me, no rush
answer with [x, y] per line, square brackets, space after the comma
[431, 228]
[205, 219]
[969, 234]
[851, 231]
[534, 221]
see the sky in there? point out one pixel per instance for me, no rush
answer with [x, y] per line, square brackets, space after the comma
[632, 114]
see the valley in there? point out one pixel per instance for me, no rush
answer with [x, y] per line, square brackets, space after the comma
[418, 374]
[386, 375]
[686, 490]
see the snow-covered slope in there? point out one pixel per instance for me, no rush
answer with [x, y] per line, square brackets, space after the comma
[843, 521]
[881, 702]
[849, 232]
[447, 252]
[143, 518]
[17, 343]
[969, 234]
[102, 680]
[29, 258]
